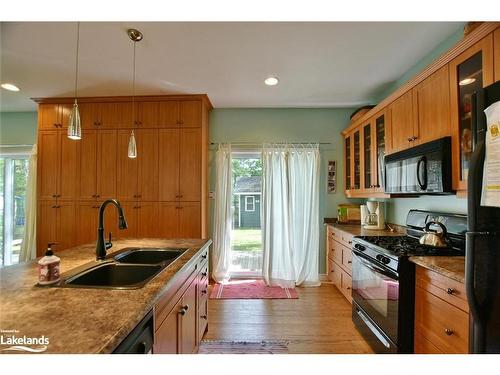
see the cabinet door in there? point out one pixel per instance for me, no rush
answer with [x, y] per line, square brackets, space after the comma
[496, 37]
[168, 220]
[348, 163]
[126, 168]
[147, 158]
[48, 164]
[87, 215]
[64, 114]
[107, 147]
[431, 105]
[147, 114]
[46, 225]
[402, 122]
[116, 115]
[379, 150]
[469, 72]
[169, 142]
[131, 212]
[190, 113]
[168, 335]
[147, 220]
[189, 220]
[66, 225]
[356, 158]
[168, 114]
[88, 164]
[188, 324]
[367, 158]
[89, 115]
[190, 165]
[68, 176]
[48, 116]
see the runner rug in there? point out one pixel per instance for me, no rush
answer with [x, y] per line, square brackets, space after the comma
[251, 289]
[243, 347]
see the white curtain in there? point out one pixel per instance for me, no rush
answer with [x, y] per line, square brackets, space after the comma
[28, 246]
[290, 215]
[221, 254]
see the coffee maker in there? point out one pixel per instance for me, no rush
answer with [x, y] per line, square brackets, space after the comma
[374, 218]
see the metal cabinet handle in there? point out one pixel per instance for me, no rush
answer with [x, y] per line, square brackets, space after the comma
[349, 261]
[185, 307]
[203, 317]
[204, 291]
[204, 256]
[450, 291]
[448, 331]
[203, 274]
[182, 311]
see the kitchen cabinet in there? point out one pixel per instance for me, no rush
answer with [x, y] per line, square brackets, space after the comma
[116, 115]
[57, 224]
[147, 219]
[431, 106]
[180, 113]
[181, 314]
[348, 164]
[441, 314]
[496, 48]
[469, 72]
[339, 260]
[168, 158]
[90, 115]
[146, 114]
[126, 168]
[179, 220]
[367, 158]
[53, 116]
[87, 216]
[402, 122]
[380, 134]
[57, 166]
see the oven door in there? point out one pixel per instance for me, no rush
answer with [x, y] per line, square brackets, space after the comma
[375, 289]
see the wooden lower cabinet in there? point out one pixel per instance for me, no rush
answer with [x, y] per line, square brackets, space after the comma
[57, 225]
[441, 314]
[339, 260]
[181, 329]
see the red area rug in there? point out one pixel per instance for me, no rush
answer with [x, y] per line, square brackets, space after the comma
[251, 289]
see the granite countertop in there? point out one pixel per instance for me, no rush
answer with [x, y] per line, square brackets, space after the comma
[78, 320]
[358, 230]
[452, 267]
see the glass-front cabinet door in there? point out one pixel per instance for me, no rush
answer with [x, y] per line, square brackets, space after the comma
[367, 164]
[348, 163]
[379, 126]
[469, 73]
[357, 160]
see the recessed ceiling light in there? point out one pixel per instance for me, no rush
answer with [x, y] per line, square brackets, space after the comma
[271, 81]
[10, 87]
[466, 81]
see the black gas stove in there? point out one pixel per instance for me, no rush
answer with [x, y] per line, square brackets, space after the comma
[383, 279]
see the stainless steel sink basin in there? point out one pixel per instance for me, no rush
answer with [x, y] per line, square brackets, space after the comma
[115, 275]
[148, 256]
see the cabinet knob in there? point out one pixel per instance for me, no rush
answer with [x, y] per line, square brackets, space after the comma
[448, 331]
[182, 311]
[185, 307]
[203, 317]
[409, 139]
[349, 262]
[450, 290]
[414, 138]
[96, 123]
[204, 256]
[204, 291]
[204, 274]
[54, 195]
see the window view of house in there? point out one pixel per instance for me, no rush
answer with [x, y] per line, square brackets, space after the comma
[246, 233]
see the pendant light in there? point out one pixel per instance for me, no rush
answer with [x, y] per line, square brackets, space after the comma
[75, 127]
[135, 36]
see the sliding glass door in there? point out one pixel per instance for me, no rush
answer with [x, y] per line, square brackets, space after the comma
[246, 235]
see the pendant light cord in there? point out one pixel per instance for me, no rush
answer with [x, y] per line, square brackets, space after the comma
[133, 89]
[77, 52]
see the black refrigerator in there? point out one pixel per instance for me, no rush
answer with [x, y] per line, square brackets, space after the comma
[482, 274]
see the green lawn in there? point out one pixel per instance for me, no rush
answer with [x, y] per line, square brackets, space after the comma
[246, 239]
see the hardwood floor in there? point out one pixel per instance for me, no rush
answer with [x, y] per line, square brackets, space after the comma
[318, 322]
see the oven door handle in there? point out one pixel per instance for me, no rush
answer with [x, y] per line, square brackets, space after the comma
[368, 264]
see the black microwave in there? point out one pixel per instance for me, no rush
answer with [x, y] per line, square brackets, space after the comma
[423, 169]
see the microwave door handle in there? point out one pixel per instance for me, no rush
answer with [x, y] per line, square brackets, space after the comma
[422, 185]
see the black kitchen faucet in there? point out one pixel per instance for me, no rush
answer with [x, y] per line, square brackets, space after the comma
[102, 246]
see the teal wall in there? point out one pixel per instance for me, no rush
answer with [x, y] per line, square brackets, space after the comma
[397, 208]
[288, 125]
[18, 128]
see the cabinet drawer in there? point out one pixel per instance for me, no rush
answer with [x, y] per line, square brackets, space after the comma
[335, 251]
[442, 324]
[443, 287]
[346, 286]
[347, 259]
[341, 236]
[334, 273]
[424, 346]
[203, 317]
[329, 232]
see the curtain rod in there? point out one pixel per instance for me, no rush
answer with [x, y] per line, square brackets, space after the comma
[275, 143]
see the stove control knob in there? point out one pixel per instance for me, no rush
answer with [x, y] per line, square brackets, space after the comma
[383, 259]
[359, 247]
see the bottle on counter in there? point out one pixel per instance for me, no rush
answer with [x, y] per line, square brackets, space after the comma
[48, 268]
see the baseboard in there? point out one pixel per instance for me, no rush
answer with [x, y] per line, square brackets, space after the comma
[323, 277]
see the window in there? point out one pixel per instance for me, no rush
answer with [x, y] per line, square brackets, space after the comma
[13, 178]
[250, 203]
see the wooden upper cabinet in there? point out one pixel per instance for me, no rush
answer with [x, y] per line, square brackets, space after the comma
[90, 115]
[469, 72]
[190, 165]
[496, 48]
[116, 115]
[348, 162]
[107, 151]
[367, 175]
[180, 113]
[126, 168]
[168, 157]
[68, 181]
[380, 134]
[48, 164]
[402, 122]
[64, 115]
[147, 114]
[147, 158]
[53, 116]
[431, 107]
[168, 334]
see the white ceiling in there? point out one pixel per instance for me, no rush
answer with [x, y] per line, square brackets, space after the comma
[337, 64]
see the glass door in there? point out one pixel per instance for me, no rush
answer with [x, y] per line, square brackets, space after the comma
[348, 174]
[246, 234]
[368, 183]
[357, 160]
[379, 153]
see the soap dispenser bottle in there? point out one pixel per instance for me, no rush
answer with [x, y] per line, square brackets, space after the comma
[48, 268]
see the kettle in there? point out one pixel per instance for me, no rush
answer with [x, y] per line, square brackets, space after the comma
[432, 237]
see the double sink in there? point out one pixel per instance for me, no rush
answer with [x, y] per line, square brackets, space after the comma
[131, 268]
